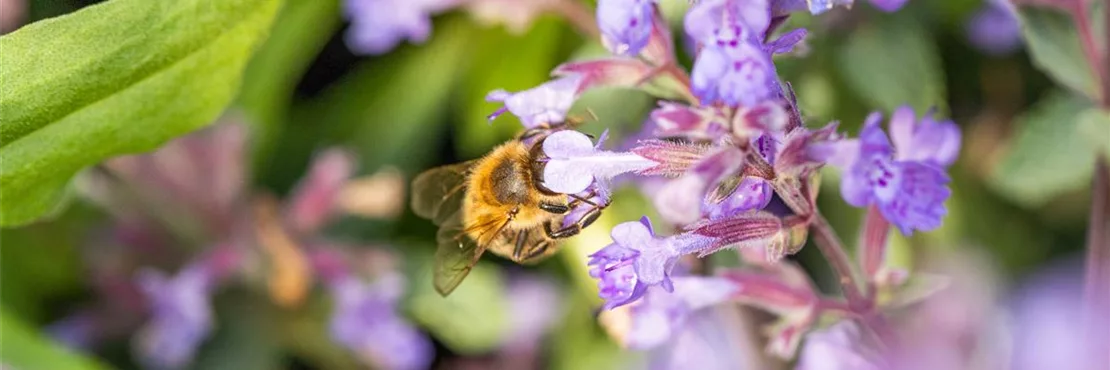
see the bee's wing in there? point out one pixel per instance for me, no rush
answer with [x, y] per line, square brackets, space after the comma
[455, 256]
[437, 193]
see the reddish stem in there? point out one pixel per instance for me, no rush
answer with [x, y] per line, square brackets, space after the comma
[873, 251]
[829, 243]
[1080, 12]
[1097, 286]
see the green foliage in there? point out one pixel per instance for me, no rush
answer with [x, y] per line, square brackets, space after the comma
[894, 62]
[1054, 46]
[473, 319]
[529, 64]
[245, 336]
[24, 347]
[1048, 155]
[277, 66]
[114, 78]
[1094, 125]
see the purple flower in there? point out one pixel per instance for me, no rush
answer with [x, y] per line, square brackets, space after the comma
[637, 260]
[366, 321]
[752, 194]
[544, 104]
[534, 306]
[995, 28]
[377, 26]
[734, 65]
[839, 347]
[625, 24]
[909, 186]
[181, 314]
[575, 162]
[926, 140]
[888, 5]
[680, 200]
[661, 315]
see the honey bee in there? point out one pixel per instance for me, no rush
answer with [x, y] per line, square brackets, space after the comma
[496, 203]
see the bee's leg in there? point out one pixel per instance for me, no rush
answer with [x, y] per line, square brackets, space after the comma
[521, 239]
[532, 132]
[558, 209]
[586, 199]
[575, 228]
[538, 251]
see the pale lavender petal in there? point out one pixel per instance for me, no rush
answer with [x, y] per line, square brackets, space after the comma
[786, 42]
[181, 316]
[575, 163]
[377, 26]
[567, 144]
[544, 104]
[839, 347]
[903, 124]
[634, 235]
[534, 307]
[679, 200]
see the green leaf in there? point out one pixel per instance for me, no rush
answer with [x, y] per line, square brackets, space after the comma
[247, 334]
[1094, 125]
[1048, 154]
[115, 78]
[1054, 45]
[893, 63]
[24, 348]
[473, 319]
[388, 109]
[273, 73]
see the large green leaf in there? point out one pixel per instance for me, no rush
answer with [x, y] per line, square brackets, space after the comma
[115, 78]
[1054, 45]
[894, 62]
[24, 348]
[1048, 155]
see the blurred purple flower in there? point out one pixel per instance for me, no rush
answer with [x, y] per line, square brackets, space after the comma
[1050, 328]
[377, 26]
[661, 315]
[366, 321]
[888, 6]
[995, 28]
[535, 306]
[575, 162]
[547, 103]
[181, 314]
[909, 186]
[313, 201]
[625, 24]
[841, 346]
[707, 341]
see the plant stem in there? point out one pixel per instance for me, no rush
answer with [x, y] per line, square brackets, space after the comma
[829, 243]
[1097, 286]
[1080, 13]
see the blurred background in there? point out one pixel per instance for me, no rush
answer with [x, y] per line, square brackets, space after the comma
[1019, 204]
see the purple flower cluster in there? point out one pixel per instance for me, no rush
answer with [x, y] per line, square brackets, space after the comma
[739, 167]
[189, 200]
[377, 26]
